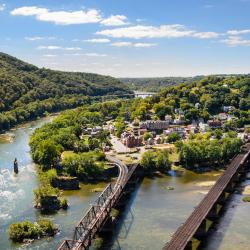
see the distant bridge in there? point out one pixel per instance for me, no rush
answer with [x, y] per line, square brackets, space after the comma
[99, 213]
[196, 227]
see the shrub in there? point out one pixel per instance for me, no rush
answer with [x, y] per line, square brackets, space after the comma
[28, 230]
[47, 226]
[24, 230]
[64, 203]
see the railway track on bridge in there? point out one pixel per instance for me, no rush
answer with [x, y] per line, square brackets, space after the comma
[185, 233]
[99, 212]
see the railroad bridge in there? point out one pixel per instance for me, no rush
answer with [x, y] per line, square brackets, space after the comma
[98, 216]
[196, 227]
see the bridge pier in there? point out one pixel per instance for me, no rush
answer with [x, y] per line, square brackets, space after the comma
[188, 237]
[107, 228]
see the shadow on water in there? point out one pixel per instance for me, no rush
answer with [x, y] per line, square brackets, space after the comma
[123, 223]
[217, 232]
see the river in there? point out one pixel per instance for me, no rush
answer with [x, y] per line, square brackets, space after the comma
[152, 216]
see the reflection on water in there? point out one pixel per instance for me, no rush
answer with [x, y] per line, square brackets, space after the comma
[151, 217]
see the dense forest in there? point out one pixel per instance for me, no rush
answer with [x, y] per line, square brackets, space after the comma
[156, 84]
[27, 92]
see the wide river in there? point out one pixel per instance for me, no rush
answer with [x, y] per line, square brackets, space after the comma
[153, 214]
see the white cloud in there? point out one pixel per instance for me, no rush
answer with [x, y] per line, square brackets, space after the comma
[49, 55]
[130, 44]
[144, 45]
[59, 17]
[234, 41]
[122, 44]
[86, 54]
[37, 38]
[52, 47]
[95, 55]
[163, 31]
[97, 40]
[115, 20]
[72, 48]
[238, 32]
[206, 35]
[2, 6]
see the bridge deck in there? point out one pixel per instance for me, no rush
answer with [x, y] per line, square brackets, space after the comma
[185, 233]
[98, 213]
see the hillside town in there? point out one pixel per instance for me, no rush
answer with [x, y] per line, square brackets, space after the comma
[172, 128]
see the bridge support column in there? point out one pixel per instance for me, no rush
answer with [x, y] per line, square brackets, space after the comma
[202, 230]
[214, 212]
[108, 227]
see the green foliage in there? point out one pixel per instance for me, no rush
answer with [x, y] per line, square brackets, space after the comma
[43, 192]
[83, 165]
[47, 153]
[194, 153]
[246, 199]
[156, 83]
[156, 160]
[47, 226]
[161, 109]
[24, 230]
[147, 135]
[212, 93]
[27, 92]
[174, 137]
[28, 230]
[120, 127]
[64, 203]
[217, 133]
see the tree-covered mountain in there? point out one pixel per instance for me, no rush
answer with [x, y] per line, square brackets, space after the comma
[155, 84]
[27, 91]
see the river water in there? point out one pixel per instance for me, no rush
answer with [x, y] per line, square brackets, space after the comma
[153, 214]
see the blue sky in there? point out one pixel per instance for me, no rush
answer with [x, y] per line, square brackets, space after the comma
[139, 38]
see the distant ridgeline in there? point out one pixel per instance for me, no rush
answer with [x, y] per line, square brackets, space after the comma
[28, 92]
[155, 84]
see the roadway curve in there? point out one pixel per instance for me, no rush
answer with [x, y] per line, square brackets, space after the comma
[107, 199]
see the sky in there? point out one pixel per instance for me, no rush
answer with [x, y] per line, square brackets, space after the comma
[129, 38]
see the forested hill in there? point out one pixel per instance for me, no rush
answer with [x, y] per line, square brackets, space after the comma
[155, 84]
[27, 91]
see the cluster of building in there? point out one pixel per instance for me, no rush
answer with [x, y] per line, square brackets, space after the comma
[93, 132]
[171, 124]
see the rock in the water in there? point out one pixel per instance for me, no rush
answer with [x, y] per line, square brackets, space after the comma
[66, 183]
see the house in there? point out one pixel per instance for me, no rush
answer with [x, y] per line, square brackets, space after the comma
[154, 125]
[214, 123]
[222, 116]
[179, 121]
[228, 108]
[150, 141]
[179, 130]
[204, 127]
[158, 140]
[169, 119]
[197, 105]
[130, 140]
[192, 129]
[167, 132]
[142, 131]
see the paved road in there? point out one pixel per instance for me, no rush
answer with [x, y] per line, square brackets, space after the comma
[118, 146]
